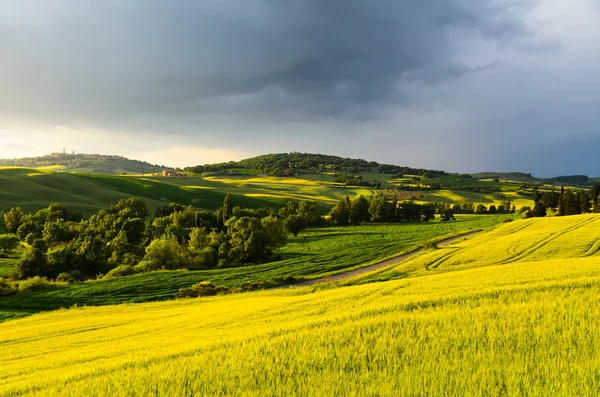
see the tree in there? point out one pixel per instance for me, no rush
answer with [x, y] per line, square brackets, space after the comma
[163, 253]
[56, 232]
[275, 230]
[8, 244]
[409, 211]
[584, 202]
[570, 206]
[291, 208]
[308, 209]
[379, 209]
[295, 224]
[594, 195]
[340, 214]
[561, 205]
[250, 241]
[481, 209]
[33, 261]
[493, 209]
[13, 219]
[359, 210]
[57, 211]
[132, 207]
[447, 214]
[199, 239]
[428, 212]
[227, 208]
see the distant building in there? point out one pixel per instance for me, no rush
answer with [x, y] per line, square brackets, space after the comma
[172, 174]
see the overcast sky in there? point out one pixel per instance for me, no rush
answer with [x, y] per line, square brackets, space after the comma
[459, 85]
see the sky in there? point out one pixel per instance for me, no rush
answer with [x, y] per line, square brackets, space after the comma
[458, 85]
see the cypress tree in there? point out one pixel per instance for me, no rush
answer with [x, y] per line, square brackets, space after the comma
[561, 205]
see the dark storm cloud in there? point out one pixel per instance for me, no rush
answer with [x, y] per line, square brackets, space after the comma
[133, 61]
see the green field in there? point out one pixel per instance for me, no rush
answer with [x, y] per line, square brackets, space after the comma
[9, 265]
[34, 189]
[502, 315]
[315, 253]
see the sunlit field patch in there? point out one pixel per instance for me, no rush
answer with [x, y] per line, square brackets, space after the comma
[531, 240]
[485, 331]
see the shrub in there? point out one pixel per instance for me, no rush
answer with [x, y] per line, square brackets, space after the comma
[5, 288]
[204, 288]
[65, 278]
[70, 277]
[430, 245]
[32, 283]
[8, 244]
[146, 266]
[120, 271]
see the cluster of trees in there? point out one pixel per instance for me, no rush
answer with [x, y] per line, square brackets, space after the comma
[380, 208]
[361, 209]
[569, 179]
[355, 180]
[283, 164]
[470, 208]
[99, 163]
[121, 240]
[566, 202]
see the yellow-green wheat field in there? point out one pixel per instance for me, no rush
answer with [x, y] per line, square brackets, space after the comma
[520, 315]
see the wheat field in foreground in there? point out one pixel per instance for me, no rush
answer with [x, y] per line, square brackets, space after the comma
[523, 328]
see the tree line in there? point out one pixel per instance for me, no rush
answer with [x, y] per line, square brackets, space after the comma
[285, 164]
[378, 209]
[121, 240]
[566, 202]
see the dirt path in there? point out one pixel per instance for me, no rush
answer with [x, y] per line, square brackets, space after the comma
[386, 263]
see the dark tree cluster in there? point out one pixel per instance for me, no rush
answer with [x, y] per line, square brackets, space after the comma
[351, 180]
[378, 209]
[297, 216]
[569, 179]
[286, 164]
[121, 240]
[566, 202]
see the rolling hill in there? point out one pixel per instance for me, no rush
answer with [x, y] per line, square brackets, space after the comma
[85, 163]
[34, 189]
[316, 253]
[498, 314]
[573, 238]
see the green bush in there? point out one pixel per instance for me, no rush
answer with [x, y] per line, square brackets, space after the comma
[120, 271]
[70, 277]
[6, 288]
[31, 283]
[65, 278]
[204, 288]
[146, 266]
[430, 245]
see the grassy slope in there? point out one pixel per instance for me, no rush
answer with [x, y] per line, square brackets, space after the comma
[517, 329]
[9, 265]
[33, 189]
[313, 254]
[528, 240]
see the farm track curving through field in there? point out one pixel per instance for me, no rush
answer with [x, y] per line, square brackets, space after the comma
[545, 241]
[389, 262]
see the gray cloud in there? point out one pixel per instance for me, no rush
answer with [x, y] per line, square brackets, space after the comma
[461, 85]
[119, 61]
